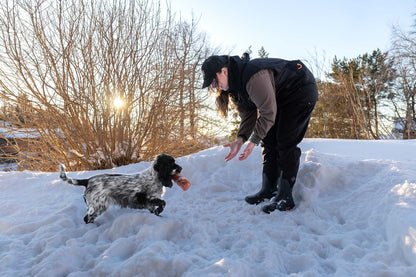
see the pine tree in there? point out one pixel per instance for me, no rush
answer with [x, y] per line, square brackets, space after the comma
[262, 53]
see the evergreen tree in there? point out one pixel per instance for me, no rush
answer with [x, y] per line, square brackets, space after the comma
[262, 53]
[365, 82]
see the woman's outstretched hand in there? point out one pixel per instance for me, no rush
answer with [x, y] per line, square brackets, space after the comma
[234, 148]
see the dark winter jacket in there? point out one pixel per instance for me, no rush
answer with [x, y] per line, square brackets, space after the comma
[260, 86]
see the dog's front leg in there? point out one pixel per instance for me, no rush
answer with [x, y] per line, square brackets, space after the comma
[156, 206]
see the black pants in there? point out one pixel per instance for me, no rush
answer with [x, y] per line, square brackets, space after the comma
[280, 150]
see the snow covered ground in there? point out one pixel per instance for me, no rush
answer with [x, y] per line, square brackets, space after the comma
[355, 216]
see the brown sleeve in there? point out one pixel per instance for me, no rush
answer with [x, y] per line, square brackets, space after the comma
[248, 120]
[261, 89]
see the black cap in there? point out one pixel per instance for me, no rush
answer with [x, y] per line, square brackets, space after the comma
[211, 66]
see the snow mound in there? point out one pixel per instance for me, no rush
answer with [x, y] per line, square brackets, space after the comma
[355, 215]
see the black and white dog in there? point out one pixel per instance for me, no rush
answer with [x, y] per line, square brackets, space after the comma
[139, 191]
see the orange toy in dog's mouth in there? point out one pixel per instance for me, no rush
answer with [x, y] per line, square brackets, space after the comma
[181, 181]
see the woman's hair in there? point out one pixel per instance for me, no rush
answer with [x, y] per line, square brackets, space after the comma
[222, 98]
[222, 101]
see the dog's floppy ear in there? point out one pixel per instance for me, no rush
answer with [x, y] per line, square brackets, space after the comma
[163, 167]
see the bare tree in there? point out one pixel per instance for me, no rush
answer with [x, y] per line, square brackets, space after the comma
[404, 100]
[67, 62]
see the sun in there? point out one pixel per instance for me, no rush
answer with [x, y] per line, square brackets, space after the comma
[118, 103]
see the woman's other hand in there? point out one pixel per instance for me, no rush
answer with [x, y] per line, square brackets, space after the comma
[247, 151]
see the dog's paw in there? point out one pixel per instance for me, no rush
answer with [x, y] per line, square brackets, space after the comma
[158, 210]
[158, 207]
[88, 219]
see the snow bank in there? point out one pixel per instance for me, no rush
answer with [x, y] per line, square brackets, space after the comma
[355, 216]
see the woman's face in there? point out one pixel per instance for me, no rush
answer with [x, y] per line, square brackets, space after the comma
[222, 79]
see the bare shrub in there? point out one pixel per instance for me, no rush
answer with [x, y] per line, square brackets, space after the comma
[64, 63]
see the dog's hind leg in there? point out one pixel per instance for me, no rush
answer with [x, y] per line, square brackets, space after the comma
[90, 216]
[94, 210]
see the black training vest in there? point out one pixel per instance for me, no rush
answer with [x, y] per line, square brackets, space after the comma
[293, 80]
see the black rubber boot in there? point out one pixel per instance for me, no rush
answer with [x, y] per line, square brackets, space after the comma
[268, 190]
[283, 201]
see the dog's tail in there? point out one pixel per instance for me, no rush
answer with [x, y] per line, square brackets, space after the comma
[69, 180]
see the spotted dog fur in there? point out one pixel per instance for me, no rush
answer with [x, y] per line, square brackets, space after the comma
[139, 191]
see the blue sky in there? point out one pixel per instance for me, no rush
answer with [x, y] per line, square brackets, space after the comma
[300, 29]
